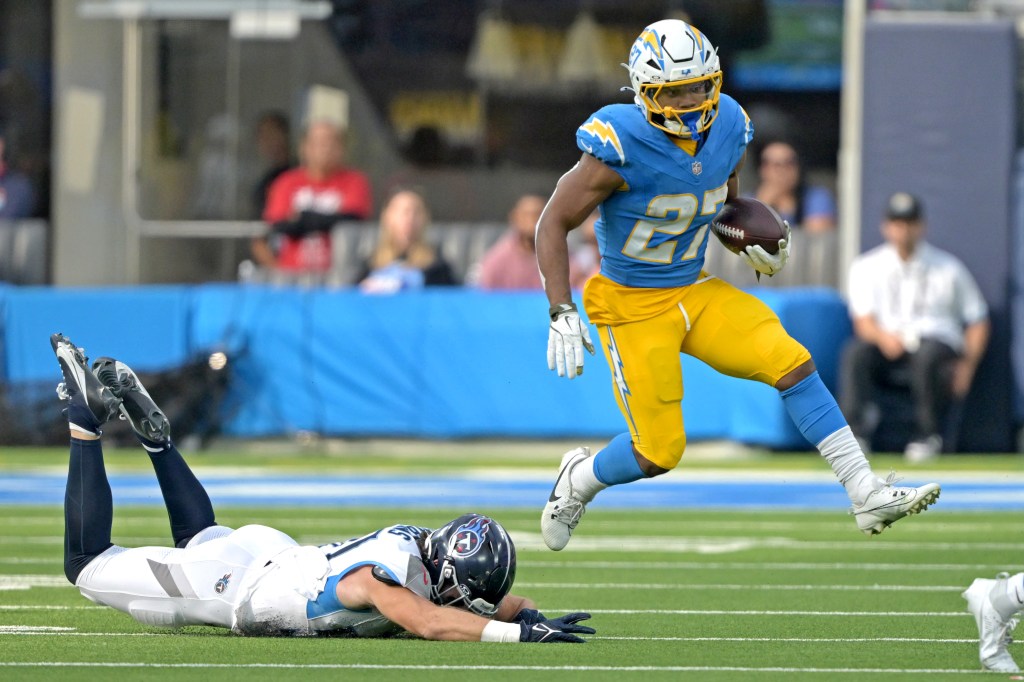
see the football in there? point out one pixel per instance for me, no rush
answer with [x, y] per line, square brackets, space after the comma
[743, 222]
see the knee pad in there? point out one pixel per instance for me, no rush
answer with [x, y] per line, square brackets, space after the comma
[667, 452]
[207, 534]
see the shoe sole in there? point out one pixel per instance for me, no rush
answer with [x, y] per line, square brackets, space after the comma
[919, 506]
[137, 406]
[72, 363]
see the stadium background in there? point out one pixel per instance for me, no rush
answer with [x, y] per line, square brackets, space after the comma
[136, 121]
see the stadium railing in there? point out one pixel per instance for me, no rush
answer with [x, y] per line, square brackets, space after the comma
[814, 258]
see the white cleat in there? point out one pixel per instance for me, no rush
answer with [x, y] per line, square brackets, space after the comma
[993, 630]
[889, 504]
[564, 510]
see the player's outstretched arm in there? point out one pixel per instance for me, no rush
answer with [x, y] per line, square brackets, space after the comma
[511, 606]
[425, 619]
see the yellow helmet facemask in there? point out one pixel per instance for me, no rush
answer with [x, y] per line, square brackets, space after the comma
[686, 122]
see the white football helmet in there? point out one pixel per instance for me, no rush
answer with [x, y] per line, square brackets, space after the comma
[672, 57]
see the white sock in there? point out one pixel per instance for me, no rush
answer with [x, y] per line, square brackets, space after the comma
[847, 460]
[584, 481]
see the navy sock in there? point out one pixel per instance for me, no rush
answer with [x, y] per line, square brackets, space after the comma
[188, 506]
[81, 416]
[88, 507]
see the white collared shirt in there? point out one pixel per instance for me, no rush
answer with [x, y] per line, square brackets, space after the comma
[932, 295]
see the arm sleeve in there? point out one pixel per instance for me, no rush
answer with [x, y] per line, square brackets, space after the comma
[489, 266]
[307, 223]
[860, 294]
[359, 204]
[973, 307]
[279, 202]
[818, 201]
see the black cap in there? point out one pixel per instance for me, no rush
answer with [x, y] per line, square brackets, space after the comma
[903, 206]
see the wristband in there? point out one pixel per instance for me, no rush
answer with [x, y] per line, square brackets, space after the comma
[496, 631]
[559, 308]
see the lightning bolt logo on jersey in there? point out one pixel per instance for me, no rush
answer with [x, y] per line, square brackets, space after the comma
[605, 133]
[655, 234]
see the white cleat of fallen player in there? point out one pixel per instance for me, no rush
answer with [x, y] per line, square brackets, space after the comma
[564, 509]
[993, 629]
[889, 504]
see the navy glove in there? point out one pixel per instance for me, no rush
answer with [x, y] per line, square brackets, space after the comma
[556, 629]
[529, 616]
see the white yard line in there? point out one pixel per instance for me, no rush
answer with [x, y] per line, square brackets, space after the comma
[722, 612]
[26, 581]
[38, 631]
[759, 566]
[745, 586]
[540, 668]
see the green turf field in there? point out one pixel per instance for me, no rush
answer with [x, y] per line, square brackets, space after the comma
[693, 595]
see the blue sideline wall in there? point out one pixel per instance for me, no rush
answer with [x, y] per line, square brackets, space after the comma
[443, 363]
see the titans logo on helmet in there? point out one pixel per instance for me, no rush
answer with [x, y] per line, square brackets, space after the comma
[468, 538]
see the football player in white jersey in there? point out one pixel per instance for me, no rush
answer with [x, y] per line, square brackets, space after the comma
[452, 583]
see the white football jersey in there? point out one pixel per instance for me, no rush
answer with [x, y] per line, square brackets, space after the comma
[295, 593]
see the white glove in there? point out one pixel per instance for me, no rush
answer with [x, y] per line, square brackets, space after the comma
[767, 263]
[567, 338]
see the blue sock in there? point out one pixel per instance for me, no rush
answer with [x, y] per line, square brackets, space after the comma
[88, 507]
[813, 409]
[616, 463]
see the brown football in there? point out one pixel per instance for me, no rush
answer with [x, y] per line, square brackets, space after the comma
[743, 222]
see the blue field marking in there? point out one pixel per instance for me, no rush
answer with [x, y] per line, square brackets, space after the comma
[448, 491]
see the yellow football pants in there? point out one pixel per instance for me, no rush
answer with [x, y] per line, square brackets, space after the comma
[730, 330]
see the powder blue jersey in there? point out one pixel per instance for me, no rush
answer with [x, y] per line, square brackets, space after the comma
[653, 230]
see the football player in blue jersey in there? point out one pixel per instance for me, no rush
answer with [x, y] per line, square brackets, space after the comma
[451, 583]
[659, 170]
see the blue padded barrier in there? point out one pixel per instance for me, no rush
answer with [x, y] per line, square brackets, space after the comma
[442, 363]
[148, 324]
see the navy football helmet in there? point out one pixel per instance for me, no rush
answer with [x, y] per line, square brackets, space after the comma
[472, 564]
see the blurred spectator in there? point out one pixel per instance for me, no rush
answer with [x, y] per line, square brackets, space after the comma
[304, 204]
[273, 143]
[781, 185]
[585, 259]
[17, 197]
[918, 319]
[25, 109]
[512, 262]
[404, 259]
